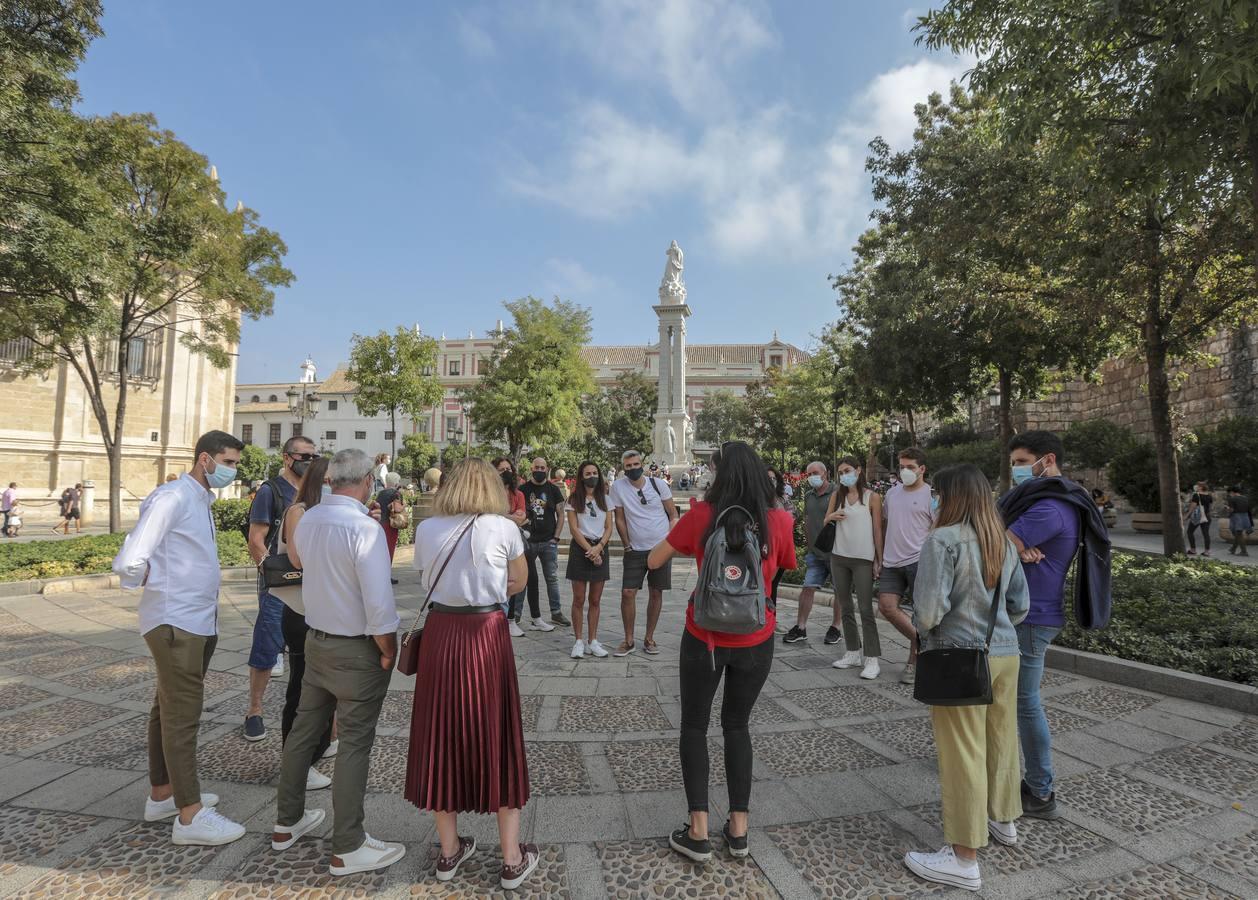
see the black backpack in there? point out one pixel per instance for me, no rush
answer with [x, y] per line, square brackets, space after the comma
[730, 595]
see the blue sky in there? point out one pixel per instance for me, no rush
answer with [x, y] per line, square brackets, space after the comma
[425, 162]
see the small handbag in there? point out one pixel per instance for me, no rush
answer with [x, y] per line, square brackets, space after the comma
[277, 571]
[408, 646]
[825, 539]
[958, 676]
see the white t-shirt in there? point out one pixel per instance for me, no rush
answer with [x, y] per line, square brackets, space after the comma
[477, 573]
[647, 522]
[592, 520]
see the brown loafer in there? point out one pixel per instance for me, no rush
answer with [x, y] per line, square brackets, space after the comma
[513, 876]
[650, 647]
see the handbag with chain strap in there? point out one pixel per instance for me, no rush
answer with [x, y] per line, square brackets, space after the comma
[408, 646]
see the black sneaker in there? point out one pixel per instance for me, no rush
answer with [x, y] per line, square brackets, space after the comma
[737, 846]
[560, 619]
[254, 729]
[681, 841]
[832, 635]
[795, 635]
[1035, 808]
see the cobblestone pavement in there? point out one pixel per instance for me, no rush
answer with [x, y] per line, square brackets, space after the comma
[1158, 794]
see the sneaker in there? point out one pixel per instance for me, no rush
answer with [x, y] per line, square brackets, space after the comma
[737, 846]
[254, 729]
[373, 854]
[540, 624]
[596, 649]
[1205, 553]
[832, 635]
[578, 649]
[448, 866]
[560, 619]
[1192, 553]
[944, 868]
[208, 828]
[650, 648]
[681, 841]
[284, 836]
[909, 675]
[278, 669]
[872, 670]
[513, 876]
[316, 780]
[795, 635]
[514, 628]
[331, 751]
[156, 810]
[1035, 808]
[625, 648]
[1003, 832]
[849, 660]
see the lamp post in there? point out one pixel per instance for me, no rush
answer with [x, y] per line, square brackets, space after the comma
[891, 428]
[303, 404]
[834, 421]
[458, 432]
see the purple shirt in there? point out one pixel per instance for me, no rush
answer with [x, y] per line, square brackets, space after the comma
[1052, 527]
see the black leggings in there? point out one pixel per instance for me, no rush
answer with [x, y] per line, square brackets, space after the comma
[295, 628]
[745, 669]
[1205, 534]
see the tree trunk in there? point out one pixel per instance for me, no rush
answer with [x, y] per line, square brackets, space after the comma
[1006, 429]
[1164, 441]
[1253, 187]
[120, 414]
[871, 459]
[393, 433]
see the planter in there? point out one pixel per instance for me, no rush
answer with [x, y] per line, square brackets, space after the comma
[1146, 523]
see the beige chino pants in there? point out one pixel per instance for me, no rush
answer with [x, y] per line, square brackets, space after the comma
[182, 659]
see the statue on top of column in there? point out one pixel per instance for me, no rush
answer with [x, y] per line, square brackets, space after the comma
[673, 285]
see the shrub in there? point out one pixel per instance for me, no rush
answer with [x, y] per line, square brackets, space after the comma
[1225, 455]
[1094, 443]
[1133, 472]
[985, 454]
[91, 555]
[233, 549]
[231, 515]
[949, 434]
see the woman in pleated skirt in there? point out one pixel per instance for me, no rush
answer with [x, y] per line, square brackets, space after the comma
[467, 741]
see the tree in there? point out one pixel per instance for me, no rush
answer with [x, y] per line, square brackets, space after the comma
[394, 373]
[725, 417]
[256, 464]
[618, 418]
[417, 456]
[167, 256]
[531, 386]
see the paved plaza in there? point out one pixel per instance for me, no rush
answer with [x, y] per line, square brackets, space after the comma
[1160, 795]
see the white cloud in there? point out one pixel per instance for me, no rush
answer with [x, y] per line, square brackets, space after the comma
[885, 106]
[476, 41]
[568, 278]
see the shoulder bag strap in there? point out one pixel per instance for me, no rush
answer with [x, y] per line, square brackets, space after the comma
[432, 587]
[997, 596]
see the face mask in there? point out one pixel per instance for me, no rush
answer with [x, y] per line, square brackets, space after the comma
[1025, 473]
[908, 477]
[592, 481]
[221, 477]
[848, 479]
[814, 481]
[300, 466]
[934, 505]
[326, 489]
[539, 477]
[633, 474]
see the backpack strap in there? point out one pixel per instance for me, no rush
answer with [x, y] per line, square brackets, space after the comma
[278, 508]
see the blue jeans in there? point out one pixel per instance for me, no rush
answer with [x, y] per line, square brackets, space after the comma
[548, 553]
[268, 632]
[1037, 748]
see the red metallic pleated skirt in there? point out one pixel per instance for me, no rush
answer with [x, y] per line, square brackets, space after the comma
[467, 742]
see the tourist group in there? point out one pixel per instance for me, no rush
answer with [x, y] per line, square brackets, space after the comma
[976, 585]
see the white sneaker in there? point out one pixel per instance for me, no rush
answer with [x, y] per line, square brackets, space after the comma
[597, 649]
[871, 670]
[849, 660]
[909, 675]
[944, 868]
[516, 630]
[156, 810]
[284, 836]
[331, 751]
[578, 649]
[373, 854]
[542, 625]
[1003, 832]
[208, 828]
[278, 669]
[316, 780]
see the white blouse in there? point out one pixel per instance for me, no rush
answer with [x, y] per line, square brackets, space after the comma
[477, 573]
[592, 520]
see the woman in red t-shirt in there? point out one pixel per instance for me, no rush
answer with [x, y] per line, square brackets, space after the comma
[743, 659]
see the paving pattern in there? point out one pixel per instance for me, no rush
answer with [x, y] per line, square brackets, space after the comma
[1158, 795]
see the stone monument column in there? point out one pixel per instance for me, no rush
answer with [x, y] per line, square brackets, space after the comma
[672, 425]
[679, 369]
[664, 396]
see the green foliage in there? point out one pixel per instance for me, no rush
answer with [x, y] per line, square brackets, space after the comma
[231, 515]
[1198, 616]
[394, 373]
[725, 417]
[617, 419]
[90, 555]
[1133, 473]
[233, 550]
[1094, 443]
[984, 453]
[417, 456]
[1225, 455]
[258, 465]
[950, 434]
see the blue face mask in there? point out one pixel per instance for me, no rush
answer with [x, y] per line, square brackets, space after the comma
[327, 489]
[1021, 474]
[848, 479]
[221, 477]
[934, 505]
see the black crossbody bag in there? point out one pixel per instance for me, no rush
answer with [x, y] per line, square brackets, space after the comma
[958, 676]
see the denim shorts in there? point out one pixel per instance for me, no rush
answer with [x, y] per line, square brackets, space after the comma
[898, 580]
[816, 571]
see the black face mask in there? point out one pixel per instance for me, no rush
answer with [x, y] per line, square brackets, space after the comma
[300, 466]
[539, 477]
[508, 480]
[592, 481]
[633, 474]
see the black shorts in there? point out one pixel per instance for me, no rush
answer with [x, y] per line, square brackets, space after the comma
[635, 572]
[581, 569]
[898, 580]
[72, 514]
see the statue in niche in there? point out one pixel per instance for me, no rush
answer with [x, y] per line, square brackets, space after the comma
[671, 439]
[690, 433]
[673, 285]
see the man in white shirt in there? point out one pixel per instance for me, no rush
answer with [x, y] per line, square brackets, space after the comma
[350, 650]
[645, 513]
[6, 504]
[172, 554]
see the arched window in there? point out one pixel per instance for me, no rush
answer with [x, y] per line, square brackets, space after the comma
[272, 399]
[253, 399]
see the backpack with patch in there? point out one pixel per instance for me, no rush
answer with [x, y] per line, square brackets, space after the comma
[730, 595]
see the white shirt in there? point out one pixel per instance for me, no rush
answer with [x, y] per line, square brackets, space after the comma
[647, 523]
[592, 520]
[854, 534]
[174, 545]
[477, 573]
[345, 569]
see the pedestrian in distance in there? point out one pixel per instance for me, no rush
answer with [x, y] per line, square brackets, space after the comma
[7, 500]
[172, 555]
[517, 513]
[390, 505]
[1197, 517]
[380, 473]
[13, 524]
[909, 513]
[71, 510]
[781, 500]
[589, 559]
[645, 513]
[818, 491]
[542, 532]
[1240, 520]
[855, 560]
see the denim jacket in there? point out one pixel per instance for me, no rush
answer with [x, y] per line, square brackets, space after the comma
[952, 605]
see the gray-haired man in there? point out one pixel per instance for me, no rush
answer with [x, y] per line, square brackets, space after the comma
[816, 564]
[645, 513]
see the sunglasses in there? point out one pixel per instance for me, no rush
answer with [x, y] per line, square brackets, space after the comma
[303, 457]
[642, 496]
[589, 504]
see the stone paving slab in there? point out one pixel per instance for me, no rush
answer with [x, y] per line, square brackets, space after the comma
[1157, 793]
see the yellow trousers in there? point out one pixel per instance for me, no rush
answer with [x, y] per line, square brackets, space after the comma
[979, 772]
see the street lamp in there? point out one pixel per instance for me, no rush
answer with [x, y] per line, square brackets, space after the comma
[303, 404]
[891, 428]
[457, 432]
[993, 398]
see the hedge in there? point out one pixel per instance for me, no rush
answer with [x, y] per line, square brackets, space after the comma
[90, 555]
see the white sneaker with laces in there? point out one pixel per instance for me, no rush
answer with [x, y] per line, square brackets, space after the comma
[578, 649]
[850, 660]
[156, 810]
[208, 828]
[373, 854]
[331, 751]
[316, 780]
[284, 836]
[278, 669]
[1003, 832]
[597, 649]
[540, 624]
[944, 868]
[872, 669]
[516, 630]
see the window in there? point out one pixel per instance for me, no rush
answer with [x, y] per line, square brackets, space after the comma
[144, 356]
[296, 429]
[775, 361]
[389, 435]
[246, 433]
[16, 350]
[272, 399]
[253, 399]
[426, 371]
[332, 405]
[273, 435]
[452, 428]
[425, 425]
[452, 367]
[237, 398]
[329, 435]
[360, 435]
